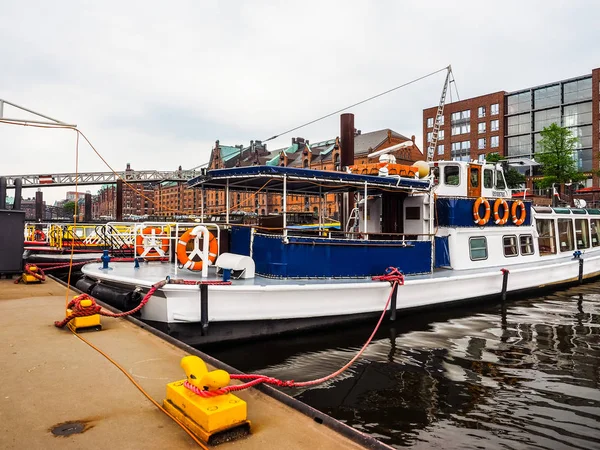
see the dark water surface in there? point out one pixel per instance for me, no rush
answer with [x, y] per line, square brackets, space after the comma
[524, 375]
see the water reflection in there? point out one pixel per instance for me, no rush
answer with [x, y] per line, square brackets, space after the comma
[519, 375]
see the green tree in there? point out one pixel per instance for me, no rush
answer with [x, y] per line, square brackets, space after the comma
[556, 156]
[69, 209]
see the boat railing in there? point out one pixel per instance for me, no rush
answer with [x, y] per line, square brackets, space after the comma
[340, 234]
[37, 232]
[159, 240]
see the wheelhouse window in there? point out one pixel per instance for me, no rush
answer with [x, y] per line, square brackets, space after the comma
[452, 175]
[488, 178]
[500, 183]
[474, 180]
[595, 226]
[510, 246]
[582, 233]
[478, 248]
[526, 241]
[546, 237]
[565, 235]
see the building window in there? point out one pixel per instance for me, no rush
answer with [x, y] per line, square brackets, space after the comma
[461, 129]
[576, 91]
[526, 242]
[481, 158]
[481, 127]
[518, 103]
[441, 120]
[494, 125]
[441, 135]
[542, 119]
[510, 246]
[429, 136]
[495, 109]
[440, 149]
[519, 124]
[430, 122]
[481, 111]
[461, 151]
[495, 141]
[481, 143]
[546, 97]
[580, 114]
[478, 248]
[460, 115]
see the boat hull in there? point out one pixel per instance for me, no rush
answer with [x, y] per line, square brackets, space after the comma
[262, 307]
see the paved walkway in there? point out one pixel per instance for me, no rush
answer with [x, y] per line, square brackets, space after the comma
[49, 377]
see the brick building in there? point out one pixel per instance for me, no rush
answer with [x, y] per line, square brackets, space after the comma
[508, 123]
[324, 155]
[173, 199]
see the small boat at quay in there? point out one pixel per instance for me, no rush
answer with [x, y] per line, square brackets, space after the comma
[453, 230]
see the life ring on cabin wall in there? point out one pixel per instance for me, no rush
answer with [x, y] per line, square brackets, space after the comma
[150, 245]
[187, 259]
[497, 204]
[515, 206]
[486, 217]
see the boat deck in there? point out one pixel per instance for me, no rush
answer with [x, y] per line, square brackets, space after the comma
[152, 272]
[50, 377]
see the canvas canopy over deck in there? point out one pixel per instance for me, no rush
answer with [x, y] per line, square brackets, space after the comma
[286, 180]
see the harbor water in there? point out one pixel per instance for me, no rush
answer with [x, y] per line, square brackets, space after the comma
[524, 374]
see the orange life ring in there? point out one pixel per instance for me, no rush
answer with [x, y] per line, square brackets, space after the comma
[478, 219]
[187, 259]
[500, 220]
[39, 235]
[155, 249]
[516, 205]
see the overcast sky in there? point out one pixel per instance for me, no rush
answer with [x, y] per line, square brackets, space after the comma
[156, 83]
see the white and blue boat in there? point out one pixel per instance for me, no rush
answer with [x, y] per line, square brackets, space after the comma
[456, 234]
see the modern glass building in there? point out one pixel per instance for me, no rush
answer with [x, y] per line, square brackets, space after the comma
[516, 119]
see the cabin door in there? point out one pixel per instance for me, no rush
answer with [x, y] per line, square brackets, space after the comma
[474, 180]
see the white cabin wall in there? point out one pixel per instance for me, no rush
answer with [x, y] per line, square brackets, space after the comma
[420, 225]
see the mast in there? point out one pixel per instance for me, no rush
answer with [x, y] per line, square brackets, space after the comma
[438, 117]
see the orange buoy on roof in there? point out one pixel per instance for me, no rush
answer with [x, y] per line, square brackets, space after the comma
[486, 217]
[392, 169]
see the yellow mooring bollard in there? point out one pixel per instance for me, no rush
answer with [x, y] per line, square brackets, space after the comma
[216, 419]
[87, 323]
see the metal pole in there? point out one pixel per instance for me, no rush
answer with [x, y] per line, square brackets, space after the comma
[285, 205]
[204, 308]
[227, 202]
[365, 213]
[119, 200]
[202, 204]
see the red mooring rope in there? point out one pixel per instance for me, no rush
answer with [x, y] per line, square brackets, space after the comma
[38, 273]
[393, 275]
[83, 311]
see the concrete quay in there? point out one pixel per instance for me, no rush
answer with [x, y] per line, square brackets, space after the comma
[50, 377]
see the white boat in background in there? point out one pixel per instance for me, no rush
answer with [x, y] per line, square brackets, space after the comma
[455, 233]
